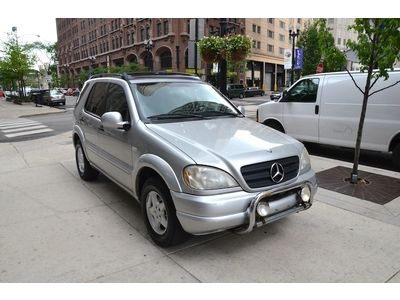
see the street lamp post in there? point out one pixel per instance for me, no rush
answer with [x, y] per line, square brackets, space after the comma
[148, 44]
[293, 34]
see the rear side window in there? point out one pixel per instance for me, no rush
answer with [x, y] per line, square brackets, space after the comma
[96, 102]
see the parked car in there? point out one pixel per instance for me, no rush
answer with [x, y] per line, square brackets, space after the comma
[325, 108]
[53, 97]
[253, 91]
[275, 96]
[235, 90]
[195, 163]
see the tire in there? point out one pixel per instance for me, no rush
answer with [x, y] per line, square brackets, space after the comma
[396, 156]
[262, 93]
[276, 126]
[85, 170]
[160, 214]
[241, 95]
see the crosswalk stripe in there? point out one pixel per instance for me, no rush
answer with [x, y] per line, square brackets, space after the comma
[24, 128]
[20, 125]
[16, 122]
[28, 132]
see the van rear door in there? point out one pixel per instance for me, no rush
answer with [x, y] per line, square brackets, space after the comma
[301, 110]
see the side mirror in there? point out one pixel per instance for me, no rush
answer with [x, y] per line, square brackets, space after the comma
[113, 120]
[284, 95]
[241, 109]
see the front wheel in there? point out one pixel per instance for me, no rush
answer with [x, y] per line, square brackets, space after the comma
[160, 214]
[85, 170]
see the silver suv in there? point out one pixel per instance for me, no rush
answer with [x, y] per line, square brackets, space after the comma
[188, 155]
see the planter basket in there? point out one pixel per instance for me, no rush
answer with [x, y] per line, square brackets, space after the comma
[238, 55]
[209, 56]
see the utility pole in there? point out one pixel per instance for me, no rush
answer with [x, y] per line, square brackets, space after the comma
[196, 38]
[223, 67]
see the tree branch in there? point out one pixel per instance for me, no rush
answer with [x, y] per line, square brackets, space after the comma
[389, 86]
[373, 83]
[351, 76]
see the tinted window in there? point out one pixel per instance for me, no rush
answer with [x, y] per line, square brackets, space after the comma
[304, 91]
[96, 103]
[116, 101]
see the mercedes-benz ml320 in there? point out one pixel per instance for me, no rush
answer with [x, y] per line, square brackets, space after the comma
[195, 163]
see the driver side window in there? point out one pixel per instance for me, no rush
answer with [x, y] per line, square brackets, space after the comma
[304, 91]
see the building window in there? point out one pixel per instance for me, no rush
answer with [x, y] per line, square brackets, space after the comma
[166, 60]
[142, 34]
[258, 29]
[159, 29]
[166, 27]
[281, 51]
[282, 24]
[339, 41]
[344, 42]
[254, 44]
[132, 37]
[271, 20]
[258, 45]
[270, 34]
[298, 21]
[147, 32]
[281, 37]
[254, 27]
[270, 48]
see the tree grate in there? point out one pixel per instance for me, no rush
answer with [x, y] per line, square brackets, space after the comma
[372, 187]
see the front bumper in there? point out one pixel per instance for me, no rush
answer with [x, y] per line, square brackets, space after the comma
[207, 214]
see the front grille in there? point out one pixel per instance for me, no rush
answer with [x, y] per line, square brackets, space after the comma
[258, 175]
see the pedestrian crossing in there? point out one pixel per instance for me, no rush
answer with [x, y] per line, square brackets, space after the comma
[22, 127]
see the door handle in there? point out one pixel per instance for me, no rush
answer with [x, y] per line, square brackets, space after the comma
[316, 109]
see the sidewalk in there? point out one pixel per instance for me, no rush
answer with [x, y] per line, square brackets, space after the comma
[9, 110]
[56, 228]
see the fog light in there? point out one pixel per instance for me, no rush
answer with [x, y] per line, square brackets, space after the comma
[262, 208]
[305, 193]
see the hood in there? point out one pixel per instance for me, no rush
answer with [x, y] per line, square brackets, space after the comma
[224, 141]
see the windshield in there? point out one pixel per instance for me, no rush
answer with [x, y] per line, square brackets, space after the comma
[55, 93]
[181, 100]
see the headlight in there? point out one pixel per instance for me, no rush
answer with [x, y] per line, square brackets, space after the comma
[207, 178]
[305, 163]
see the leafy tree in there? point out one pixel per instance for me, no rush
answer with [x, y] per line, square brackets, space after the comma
[16, 63]
[378, 48]
[50, 50]
[319, 46]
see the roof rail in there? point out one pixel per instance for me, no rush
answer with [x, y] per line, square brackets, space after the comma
[132, 75]
[115, 75]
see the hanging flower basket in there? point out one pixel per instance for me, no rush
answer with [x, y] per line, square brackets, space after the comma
[237, 47]
[210, 48]
[209, 56]
[238, 55]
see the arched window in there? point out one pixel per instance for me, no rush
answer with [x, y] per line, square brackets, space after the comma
[166, 60]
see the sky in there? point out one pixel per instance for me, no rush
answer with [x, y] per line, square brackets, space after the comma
[37, 17]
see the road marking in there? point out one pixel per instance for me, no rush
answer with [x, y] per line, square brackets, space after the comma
[24, 128]
[19, 125]
[28, 132]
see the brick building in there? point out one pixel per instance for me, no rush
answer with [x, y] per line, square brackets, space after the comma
[92, 42]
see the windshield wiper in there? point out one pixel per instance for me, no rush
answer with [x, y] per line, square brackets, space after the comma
[174, 116]
[222, 113]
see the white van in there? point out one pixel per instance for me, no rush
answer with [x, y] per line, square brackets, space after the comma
[325, 108]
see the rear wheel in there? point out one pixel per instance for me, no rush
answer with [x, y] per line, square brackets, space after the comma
[160, 214]
[396, 156]
[241, 95]
[85, 170]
